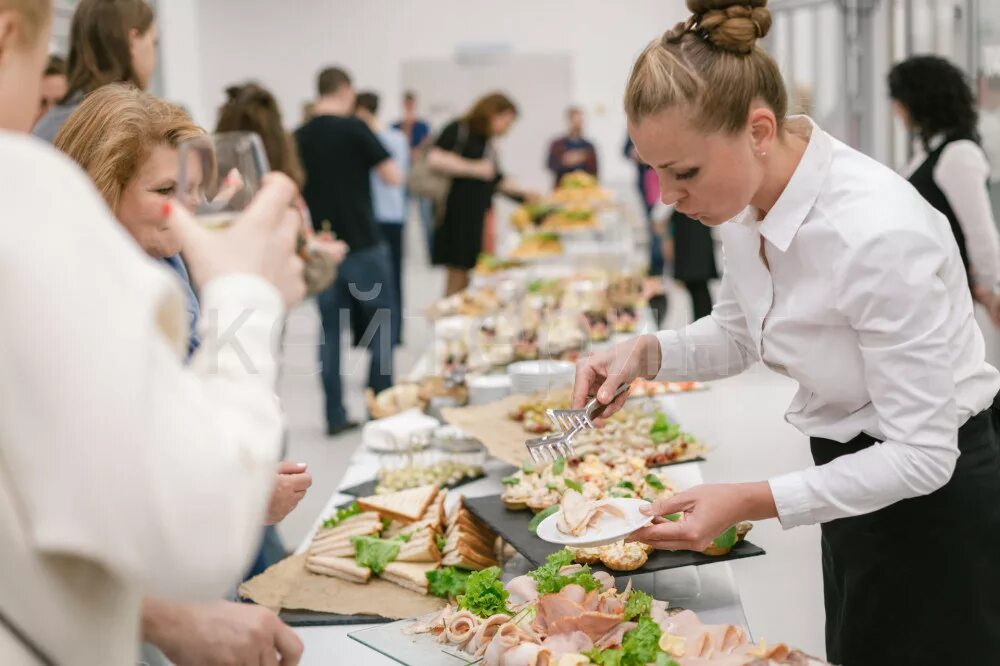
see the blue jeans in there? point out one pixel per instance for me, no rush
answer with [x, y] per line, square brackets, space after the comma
[394, 234]
[363, 295]
[426, 208]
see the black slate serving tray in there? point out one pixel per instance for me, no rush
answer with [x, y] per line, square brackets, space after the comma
[513, 527]
[367, 488]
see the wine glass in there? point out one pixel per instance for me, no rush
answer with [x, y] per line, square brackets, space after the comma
[219, 175]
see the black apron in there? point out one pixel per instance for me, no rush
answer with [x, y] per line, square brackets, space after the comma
[918, 582]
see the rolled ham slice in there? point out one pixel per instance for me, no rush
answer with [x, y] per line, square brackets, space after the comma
[460, 628]
[578, 514]
[506, 638]
[525, 654]
[432, 624]
[485, 633]
[613, 638]
[724, 638]
[607, 580]
[523, 590]
[574, 593]
[573, 643]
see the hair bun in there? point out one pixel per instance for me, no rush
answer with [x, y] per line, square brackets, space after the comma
[730, 25]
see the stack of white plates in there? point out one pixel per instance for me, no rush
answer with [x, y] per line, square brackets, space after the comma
[398, 433]
[540, 376]
[484, 389]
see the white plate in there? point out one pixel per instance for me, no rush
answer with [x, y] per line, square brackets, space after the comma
[540, 369]
[608, 528]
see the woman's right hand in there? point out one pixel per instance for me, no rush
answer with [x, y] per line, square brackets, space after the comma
[261, 241]
[601, 373]
[336, 250]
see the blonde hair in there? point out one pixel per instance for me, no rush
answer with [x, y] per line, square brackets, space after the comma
[36, 14]
[712, 64]
[114, 130]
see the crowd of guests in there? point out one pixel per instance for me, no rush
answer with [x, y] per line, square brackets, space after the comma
[340, 240]
[144, 508]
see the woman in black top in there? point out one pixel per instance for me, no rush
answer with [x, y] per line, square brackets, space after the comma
[464, 151]
[950, 170]
[693, 254]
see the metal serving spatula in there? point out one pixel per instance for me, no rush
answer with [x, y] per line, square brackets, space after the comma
[570, 422]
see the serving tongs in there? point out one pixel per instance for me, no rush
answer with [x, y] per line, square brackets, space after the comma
[569, 422]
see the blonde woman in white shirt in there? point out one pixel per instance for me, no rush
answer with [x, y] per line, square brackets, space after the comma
[122, 472]
[840, 276]
[933, 100]
[127, 141]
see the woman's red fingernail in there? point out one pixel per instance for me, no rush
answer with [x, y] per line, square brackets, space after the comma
[168, 207]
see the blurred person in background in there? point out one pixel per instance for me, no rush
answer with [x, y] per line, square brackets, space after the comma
[688, 247]
[657, 230]
[417, 130]
[54, 84]
[252, 108]
[308, 111]
[126, 472]
[465, 151]
[339, 152]
[418, 133]
[572, 152]
[389, 201]
[127, 141]
[110, 41]
[933, 100]
[688, 250]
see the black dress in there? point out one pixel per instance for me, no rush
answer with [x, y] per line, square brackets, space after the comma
[459, 238]
[694, 261]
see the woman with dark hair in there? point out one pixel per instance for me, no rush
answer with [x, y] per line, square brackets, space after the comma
[110, 41]
[54, 84]
[934, 101]
[464, 150]
[252, 108]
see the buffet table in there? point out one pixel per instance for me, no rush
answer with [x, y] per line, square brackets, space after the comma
[710, 590]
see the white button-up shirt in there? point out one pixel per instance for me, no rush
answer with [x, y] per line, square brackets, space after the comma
[961, 173]
[863, 300]
[123, 472]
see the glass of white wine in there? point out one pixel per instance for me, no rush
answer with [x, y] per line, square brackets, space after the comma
[219, 175]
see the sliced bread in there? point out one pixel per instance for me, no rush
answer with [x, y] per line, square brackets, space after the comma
[405, 506]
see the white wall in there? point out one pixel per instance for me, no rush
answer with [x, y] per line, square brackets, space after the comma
[180, 54]
[284, 45]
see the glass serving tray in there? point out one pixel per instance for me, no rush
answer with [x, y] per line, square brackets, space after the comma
[710, 591]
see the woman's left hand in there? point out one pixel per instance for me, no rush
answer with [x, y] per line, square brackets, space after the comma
[290, 486]
[709, 510]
